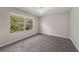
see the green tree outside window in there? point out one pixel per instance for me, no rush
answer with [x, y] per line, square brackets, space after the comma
[17, 24]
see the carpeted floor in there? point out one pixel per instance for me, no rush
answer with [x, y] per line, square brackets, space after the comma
[41, 43]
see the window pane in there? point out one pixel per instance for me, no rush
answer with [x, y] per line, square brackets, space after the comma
[17, 24]
[28, 24]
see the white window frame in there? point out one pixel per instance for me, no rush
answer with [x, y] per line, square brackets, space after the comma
[29, 17]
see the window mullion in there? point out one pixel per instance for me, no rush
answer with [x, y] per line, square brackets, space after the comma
[24, 24]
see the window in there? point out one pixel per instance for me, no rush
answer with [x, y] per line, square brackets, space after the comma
[28, 24]
[19, 23]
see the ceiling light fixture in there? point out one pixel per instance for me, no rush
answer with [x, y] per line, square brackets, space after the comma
[43, 9]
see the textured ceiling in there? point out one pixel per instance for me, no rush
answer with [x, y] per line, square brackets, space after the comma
[42, 11]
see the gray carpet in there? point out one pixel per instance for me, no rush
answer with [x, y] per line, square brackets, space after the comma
[41, 43]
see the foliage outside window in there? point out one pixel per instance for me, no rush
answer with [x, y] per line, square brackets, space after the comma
[28, 24]
[18, 23]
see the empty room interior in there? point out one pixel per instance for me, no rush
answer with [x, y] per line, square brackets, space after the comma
[39, 29]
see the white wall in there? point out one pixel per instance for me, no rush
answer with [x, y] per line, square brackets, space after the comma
[75, 26]
[56, 25]
[5, 36]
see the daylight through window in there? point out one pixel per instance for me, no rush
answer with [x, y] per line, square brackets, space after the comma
[19, 23]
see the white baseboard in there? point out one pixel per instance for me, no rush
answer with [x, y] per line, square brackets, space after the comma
[10, 42]
[57, 36]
